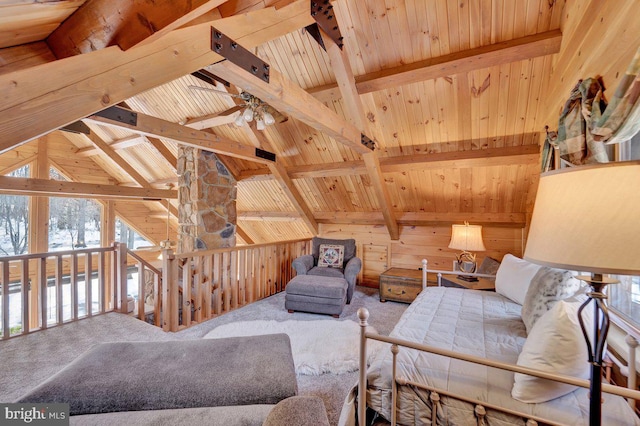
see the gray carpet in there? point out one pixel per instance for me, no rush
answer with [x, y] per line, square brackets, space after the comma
[29, 360]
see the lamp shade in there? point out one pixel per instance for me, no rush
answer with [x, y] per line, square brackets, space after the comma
[587, 219]
[466, 237]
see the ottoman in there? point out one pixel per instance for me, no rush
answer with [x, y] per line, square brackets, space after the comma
[320, 295]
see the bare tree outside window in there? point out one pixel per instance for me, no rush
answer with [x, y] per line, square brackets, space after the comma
[14, 220]
[73, 222]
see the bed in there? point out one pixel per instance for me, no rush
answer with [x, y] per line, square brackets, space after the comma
[488, 325]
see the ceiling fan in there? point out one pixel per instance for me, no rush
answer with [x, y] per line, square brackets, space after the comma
[254, 109]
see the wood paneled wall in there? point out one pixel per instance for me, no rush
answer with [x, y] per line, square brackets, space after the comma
[379, 253]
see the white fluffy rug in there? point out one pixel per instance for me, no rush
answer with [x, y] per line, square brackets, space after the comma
[318, 347]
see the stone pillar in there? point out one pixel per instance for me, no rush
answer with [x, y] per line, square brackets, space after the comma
[207, 202]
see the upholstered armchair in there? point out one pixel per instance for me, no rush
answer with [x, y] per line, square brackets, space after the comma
[347, 269]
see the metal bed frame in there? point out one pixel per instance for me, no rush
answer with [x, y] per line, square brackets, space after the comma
[480, 406]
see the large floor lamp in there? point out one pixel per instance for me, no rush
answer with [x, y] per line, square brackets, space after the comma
[587, 219]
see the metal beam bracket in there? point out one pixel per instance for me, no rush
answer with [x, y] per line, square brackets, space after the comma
[261, 153]
[364, 140]
[119, 114]
[322, 12]
[76, 127]
[231, 50]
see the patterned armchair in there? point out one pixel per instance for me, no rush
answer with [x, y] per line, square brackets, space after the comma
[324, 261]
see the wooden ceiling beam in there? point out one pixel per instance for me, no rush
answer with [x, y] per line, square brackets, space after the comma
[404, 218]
[242, 234]
[163, 151]
[294, 196]
[81, 85]
[268, 216]
[353, 104]
[56, 188]
[521, 154]
[127, 142]
[533, 46]
[156, 127]
[289, 98]
[125, 23]
[123, 165]
[259, 140]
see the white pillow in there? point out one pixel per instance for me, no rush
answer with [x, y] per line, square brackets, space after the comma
[555, 345]
[514, 276]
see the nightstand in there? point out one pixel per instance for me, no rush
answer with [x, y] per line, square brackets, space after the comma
[481, 284]
[401, 285]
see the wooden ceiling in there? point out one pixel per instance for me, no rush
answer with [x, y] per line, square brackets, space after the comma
[455, 95]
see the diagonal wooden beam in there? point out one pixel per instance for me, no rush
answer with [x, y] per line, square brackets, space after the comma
[259, 140]
[56, 188]
[156, 127]
[247, 239]
[117, 144]
[124, 165]
[542, 44]
[290, 99]
[163, 151]
[81, 85]
[353, 104]
[294, 196]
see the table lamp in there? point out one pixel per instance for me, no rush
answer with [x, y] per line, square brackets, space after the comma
[587, 219]
[467, 238]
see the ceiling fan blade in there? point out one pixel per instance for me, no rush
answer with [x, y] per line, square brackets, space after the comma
[208, 89]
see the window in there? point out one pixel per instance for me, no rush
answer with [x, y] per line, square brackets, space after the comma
[624, 298]
[14, 220]
[73, 222]
[131, 238]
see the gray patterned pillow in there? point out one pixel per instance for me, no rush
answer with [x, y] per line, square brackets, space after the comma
[547, 286]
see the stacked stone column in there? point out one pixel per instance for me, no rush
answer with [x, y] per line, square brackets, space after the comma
[207, 202]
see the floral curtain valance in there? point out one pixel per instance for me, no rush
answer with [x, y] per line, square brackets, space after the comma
[587, 122]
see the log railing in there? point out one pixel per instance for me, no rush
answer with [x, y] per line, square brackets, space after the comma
[204, 284]
[48, 289]
[42, 290]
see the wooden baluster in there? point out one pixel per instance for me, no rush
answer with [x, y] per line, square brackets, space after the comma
[157, 300]
[120, 293]
[74, 286]
[141, 290]
[242, 277]
[44, 292]
[88, 282]
[102, 287]
[6, 329]
[226, 281]
[24, 289]
[189, 280]
[59, 292]
[199, 287]
[170, 294]
[233, 272]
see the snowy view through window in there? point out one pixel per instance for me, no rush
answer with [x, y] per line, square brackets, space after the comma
[74, 223]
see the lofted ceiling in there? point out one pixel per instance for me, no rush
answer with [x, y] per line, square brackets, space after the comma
[451, 92]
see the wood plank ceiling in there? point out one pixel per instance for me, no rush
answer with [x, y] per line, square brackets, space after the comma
[450, 91]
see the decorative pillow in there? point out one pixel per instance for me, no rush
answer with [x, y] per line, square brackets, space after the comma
[331, 256]
[555, 345]
[488, 266]
[514, 276]
[547, 287]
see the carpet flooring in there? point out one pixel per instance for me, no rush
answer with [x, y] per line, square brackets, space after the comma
[29, 360]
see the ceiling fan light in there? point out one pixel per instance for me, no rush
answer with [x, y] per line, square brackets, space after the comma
[248, 114]
[268, 118]
[260, 124]
[239, 121]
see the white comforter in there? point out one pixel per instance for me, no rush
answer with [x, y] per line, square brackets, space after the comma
[479, 323]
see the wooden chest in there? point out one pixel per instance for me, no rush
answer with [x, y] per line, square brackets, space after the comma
[400, 285]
